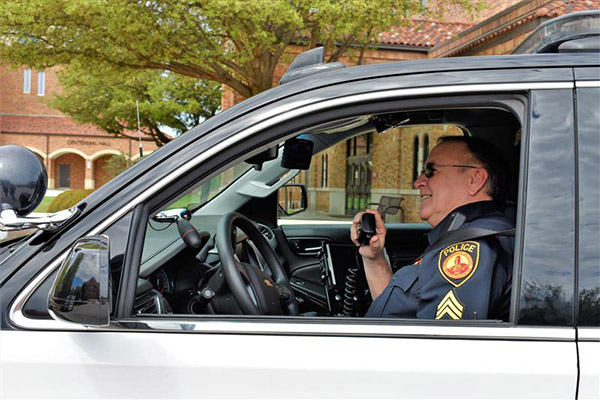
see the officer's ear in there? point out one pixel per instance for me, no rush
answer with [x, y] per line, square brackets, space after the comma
[478, 181]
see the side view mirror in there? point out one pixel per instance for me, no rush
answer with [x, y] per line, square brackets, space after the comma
[81, 292]
[292, 199]
[172, 215]
[23, 184]
[23, 180]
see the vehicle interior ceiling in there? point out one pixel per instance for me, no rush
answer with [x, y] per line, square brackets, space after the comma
[162, 266]
[499, 126]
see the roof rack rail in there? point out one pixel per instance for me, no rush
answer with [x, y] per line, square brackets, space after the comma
[572, 33]
[308, 63]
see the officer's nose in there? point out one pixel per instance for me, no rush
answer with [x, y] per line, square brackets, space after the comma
[420, 181]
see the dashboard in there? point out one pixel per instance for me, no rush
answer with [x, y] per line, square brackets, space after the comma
[183, 276]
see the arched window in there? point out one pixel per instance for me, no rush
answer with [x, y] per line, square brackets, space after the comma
[416, 166]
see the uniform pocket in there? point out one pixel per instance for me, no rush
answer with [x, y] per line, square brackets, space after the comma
[397, 300]
[405, 278]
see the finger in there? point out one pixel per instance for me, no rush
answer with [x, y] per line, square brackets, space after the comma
[375, 243]
[379, 224]
[354, 236]
[356, 219]
[354, 228]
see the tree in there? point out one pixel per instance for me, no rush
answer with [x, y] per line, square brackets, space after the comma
[106, 95]
[237, 43]
[117, 163]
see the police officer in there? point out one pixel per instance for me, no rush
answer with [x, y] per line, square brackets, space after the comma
[463, 186]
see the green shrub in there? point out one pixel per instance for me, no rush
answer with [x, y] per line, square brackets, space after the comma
[43, 207]
[68, 199]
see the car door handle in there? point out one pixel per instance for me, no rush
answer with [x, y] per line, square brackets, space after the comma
[307, 246]
[313, 248]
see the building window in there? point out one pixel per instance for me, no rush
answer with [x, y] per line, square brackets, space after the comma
[324, 162]
[416, 166]
[41, 83]
[27, 81]
[359, 145]
[426, 148]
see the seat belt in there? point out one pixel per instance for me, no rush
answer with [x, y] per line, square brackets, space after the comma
[453, 234]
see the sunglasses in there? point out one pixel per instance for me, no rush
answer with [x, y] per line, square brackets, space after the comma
[430, 168]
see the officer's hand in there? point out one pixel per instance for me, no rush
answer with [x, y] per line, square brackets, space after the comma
[375, 247]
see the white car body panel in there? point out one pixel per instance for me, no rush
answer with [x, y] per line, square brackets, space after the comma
[589, 363]
[196, 364]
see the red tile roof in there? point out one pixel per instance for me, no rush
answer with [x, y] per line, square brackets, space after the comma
[422, 33]
[551, 9]
[561, 7]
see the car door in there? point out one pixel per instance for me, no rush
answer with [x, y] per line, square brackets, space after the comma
[533, 355]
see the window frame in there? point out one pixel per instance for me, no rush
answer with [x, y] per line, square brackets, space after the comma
[556, 120]
[585, 233]
[282, 132]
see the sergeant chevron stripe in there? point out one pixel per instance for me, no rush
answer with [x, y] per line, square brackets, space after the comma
[450, 306]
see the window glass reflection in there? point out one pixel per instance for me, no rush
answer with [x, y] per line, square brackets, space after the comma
[588, 111]
[548, 259]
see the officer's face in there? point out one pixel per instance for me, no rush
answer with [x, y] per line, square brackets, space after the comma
[448, 187]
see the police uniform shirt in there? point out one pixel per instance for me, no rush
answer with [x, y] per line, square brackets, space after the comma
[465, 280]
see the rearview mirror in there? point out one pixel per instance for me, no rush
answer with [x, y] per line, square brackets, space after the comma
[81, 291]
[292, 199]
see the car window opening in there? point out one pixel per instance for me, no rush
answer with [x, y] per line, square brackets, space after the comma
[370, 164]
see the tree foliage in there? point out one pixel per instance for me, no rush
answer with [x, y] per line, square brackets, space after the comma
[237, 43]
[106, 95]
[68, 199]
[117, 163]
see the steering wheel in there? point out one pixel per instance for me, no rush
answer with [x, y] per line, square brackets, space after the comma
[255, 291]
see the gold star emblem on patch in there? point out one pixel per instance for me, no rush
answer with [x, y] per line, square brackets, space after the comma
[450, 307]
[458, 262]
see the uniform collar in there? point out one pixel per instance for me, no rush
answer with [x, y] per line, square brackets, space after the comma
[471, 211]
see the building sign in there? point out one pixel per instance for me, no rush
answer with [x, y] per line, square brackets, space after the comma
[87, 143]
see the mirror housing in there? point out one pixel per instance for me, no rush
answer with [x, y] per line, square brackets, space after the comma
[23, 180]
[292, 199]
[81, 292]
[297, 154]
[259, 159]
[172, 215]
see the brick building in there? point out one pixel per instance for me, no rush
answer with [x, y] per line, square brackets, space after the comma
[74, 154]
[343, 179]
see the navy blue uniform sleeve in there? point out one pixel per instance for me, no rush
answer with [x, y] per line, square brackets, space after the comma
[399, 298]
[461, 283]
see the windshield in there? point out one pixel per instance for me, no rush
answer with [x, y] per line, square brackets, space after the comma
[203, 193]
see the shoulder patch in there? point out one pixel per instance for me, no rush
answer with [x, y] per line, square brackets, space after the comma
[458, 262]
